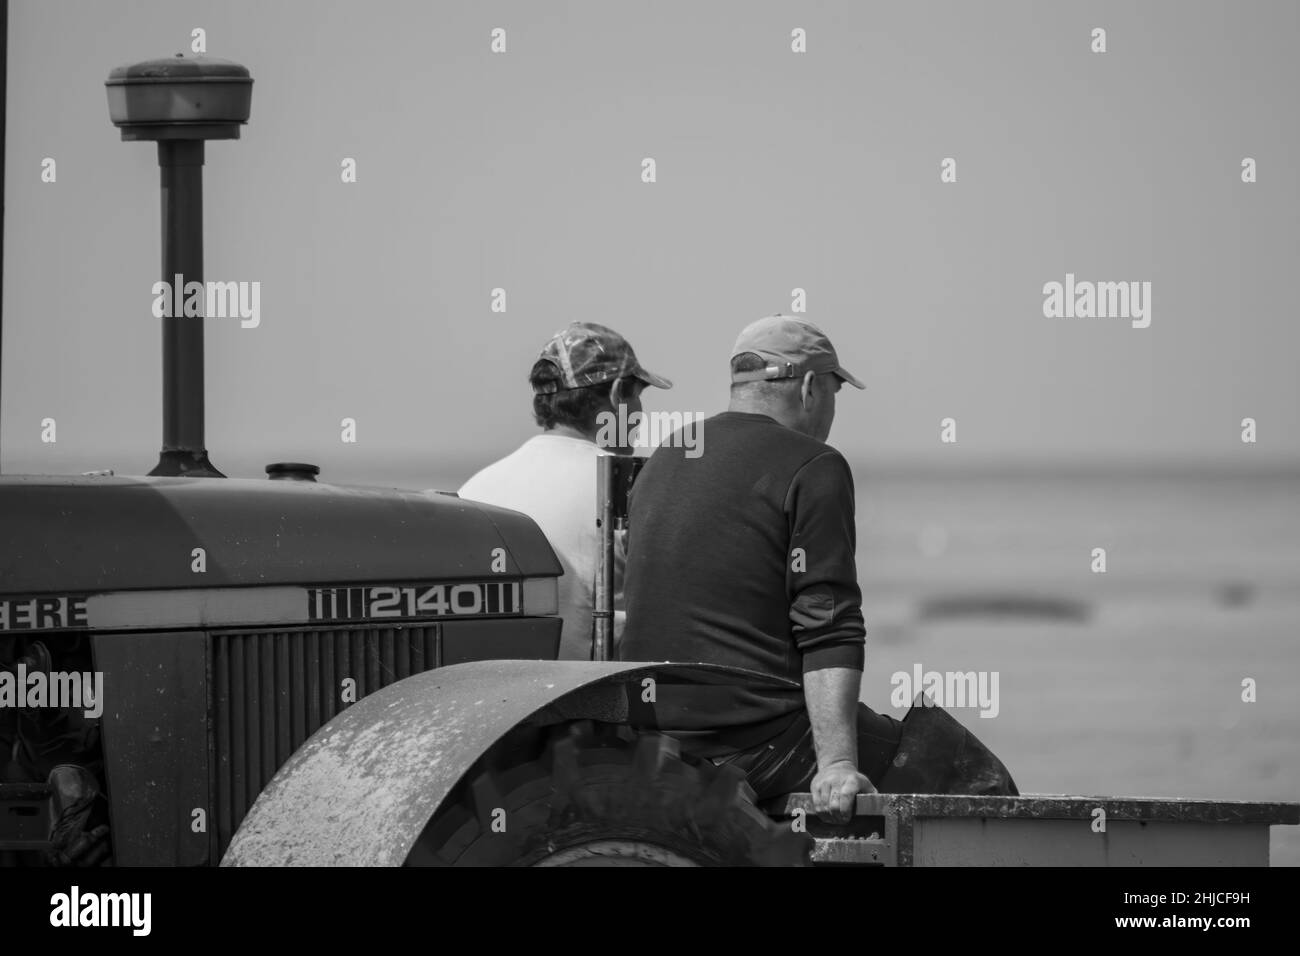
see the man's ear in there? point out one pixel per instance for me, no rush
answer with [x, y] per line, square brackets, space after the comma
[806, 393]
[616, 396]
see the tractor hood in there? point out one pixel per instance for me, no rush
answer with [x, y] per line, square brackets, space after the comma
[69, 534]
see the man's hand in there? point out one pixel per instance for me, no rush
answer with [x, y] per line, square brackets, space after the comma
[835, 789]
[832, 698]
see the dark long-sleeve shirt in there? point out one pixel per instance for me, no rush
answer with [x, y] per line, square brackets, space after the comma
[743, 555]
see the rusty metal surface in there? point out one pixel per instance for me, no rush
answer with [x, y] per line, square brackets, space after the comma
[1065, 807]
[859, 851]
[359, 792]
[1041, 829]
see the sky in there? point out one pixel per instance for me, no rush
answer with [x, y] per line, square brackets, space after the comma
[775, 171]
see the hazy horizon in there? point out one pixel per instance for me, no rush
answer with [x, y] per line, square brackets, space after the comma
[775, 171]
[448, 471]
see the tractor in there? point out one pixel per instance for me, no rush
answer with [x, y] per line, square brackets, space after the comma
[403, 640]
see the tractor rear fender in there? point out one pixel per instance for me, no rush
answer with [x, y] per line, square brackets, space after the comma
[361, 790]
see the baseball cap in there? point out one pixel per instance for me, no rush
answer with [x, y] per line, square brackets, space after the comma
[588, 354]
[790, 347]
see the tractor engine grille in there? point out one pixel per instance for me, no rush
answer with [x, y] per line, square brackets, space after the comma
[271, 690]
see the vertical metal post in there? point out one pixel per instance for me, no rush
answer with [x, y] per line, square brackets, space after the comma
[180, 163]
[4, 100]
[602, 640]
[179, 102]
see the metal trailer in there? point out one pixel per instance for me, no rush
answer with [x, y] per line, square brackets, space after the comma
[1046, 830]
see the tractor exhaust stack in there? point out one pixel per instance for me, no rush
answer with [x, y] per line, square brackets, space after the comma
[180, 102]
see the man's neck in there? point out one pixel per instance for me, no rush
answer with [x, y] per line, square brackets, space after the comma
[566, 431]
[756, 408]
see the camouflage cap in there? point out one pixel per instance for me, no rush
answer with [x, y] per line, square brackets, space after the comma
[588, 354]
[790, 347]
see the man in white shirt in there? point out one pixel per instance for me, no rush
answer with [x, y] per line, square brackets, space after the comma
[583, 371]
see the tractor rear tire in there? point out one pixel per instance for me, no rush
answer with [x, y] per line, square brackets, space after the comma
[594, 794]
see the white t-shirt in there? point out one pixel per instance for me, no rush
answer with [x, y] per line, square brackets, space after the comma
[552, 479]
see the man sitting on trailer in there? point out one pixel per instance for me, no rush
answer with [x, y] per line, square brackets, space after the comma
[744, 556]
[584, 371]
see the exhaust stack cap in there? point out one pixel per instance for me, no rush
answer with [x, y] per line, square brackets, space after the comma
[180, 97]
[292, 471]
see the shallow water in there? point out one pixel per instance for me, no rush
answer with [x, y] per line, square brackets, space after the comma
[1144, 697]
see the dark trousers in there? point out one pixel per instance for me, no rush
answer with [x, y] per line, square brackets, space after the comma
[788, 762]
